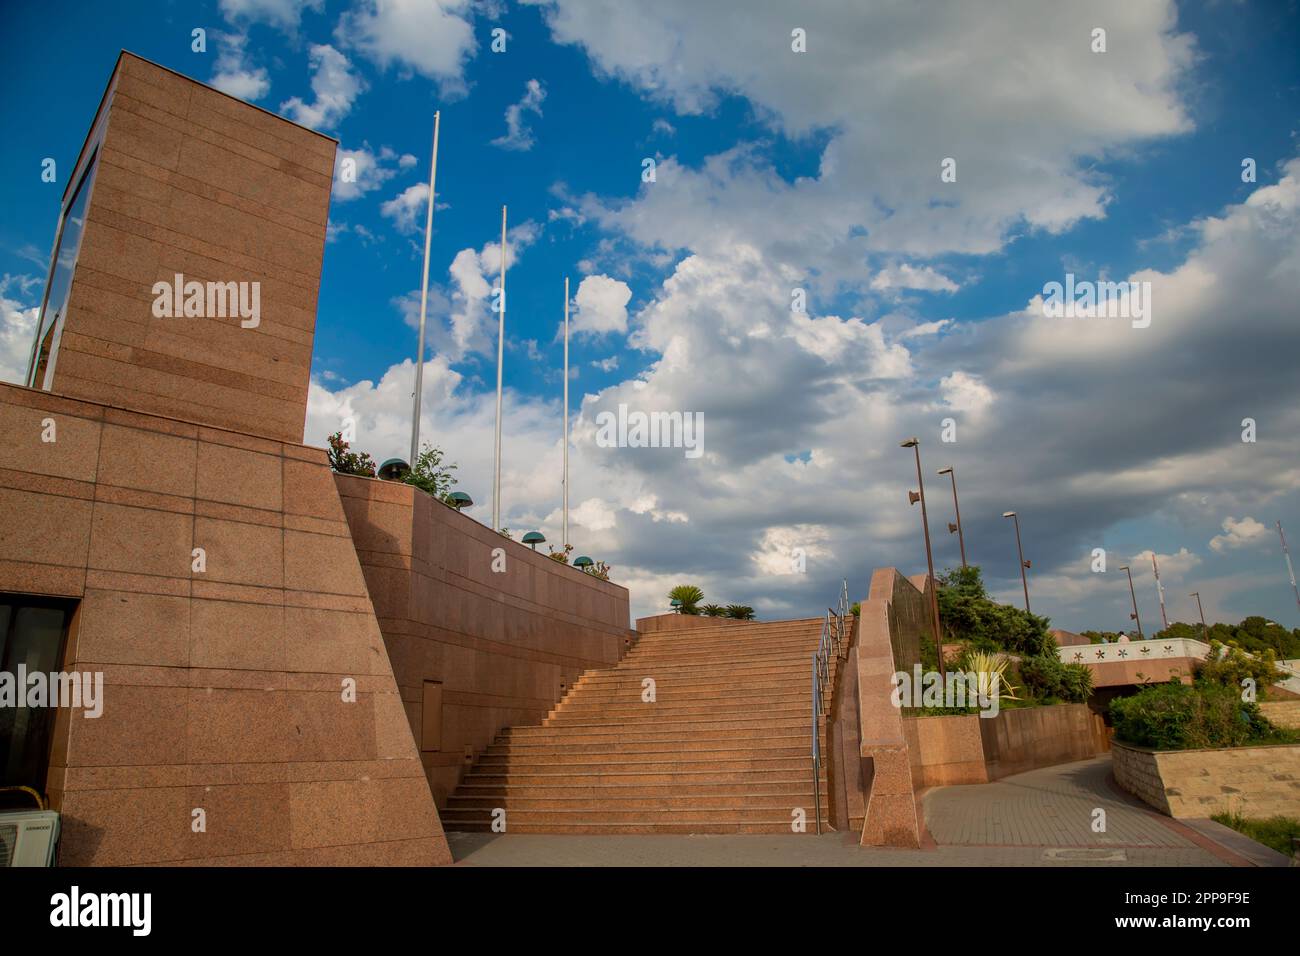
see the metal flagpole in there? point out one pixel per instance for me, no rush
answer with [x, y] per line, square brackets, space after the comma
[1289, 570]
[501, 344]
[566, 412]
[424, 296]
[1160, 590]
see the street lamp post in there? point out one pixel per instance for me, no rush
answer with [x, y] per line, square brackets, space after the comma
[1133, 595]
[1205, 631]
[913, 497]
[961, 537]
[1023, 563]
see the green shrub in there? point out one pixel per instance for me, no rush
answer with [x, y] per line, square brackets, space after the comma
[1178, 716]
[689, 595]
[1229, 666]
[1280, 833]
[428, 473]
[740, 612]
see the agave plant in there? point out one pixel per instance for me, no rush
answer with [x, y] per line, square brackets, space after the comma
[990, 670]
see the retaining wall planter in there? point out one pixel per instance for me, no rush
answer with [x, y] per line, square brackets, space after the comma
[1253, 781]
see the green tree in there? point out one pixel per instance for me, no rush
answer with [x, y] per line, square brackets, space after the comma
[967, 613]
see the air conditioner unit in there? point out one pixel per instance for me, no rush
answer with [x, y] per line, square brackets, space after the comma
[28, 837]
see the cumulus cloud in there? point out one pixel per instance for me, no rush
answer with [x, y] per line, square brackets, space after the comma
[433, 38]
[285, 14]
[518, 136]
[362, 170]
[1238, 534]
[19, 310]
[408, 208]
[335, 86]
[234, 73]
[601, 306]
[892, 102]
[905, 276]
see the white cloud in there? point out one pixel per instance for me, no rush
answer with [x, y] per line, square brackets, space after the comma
[408, 208]
[963, 392]
[17, 324]
[601, 306]
[1238, 534]
[518, 136]
[430, 37]
[335, 86]
[368, 171]
[907, 276]
[234, 74]
[606, 364]
[285, 14]
[893, 101]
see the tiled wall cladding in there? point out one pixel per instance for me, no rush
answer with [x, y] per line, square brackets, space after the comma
[222, 688]
[504, 644]
[193, 182]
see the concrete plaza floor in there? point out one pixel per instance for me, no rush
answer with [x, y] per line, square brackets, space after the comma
[1041, 818]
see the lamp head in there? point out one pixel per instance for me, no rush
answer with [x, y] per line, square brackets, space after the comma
[910, 443]
[1008, 514]
[944, 471]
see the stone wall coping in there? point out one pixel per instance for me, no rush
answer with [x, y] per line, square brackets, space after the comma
[1125, 745]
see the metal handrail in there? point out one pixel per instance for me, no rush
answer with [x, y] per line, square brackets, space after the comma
[830, 643]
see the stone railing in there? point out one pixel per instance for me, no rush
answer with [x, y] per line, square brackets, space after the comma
[1133, 651]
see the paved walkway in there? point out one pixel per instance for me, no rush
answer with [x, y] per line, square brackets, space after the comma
[1051, 807]
[1040, 818]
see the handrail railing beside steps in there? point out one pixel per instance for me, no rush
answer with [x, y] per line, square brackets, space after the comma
[830, 644]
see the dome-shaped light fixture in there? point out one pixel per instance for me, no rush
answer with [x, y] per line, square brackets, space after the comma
[533, 539]
[458, 500]
[582, 561]
[676, 606]
[394, 469]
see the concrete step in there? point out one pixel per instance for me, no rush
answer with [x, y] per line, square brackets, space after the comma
[701, 788]
[695, 815]
[737, 707]
[704, 722]
[751, 779]
[616, 734]
[521, 823]
[798, 743]
[641, 763]
[527, 801]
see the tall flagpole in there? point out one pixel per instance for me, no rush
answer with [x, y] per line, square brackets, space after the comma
[566, 411]
[1160, 591]
[1289, 570]
[424, 297]
[501, 344]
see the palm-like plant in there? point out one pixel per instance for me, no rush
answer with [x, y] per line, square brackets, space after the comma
[740, 612]
[990, 671]
[690, 597]
[713, 610]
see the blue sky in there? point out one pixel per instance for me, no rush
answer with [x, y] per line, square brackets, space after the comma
[776, 170]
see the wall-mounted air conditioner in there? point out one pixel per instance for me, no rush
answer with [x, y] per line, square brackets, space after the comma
[28, 837]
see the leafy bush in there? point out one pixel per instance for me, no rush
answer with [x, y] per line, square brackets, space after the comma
[347, 462]
[1229, 666]
[856, 608]
[1048, 679]
[428, 473]
[1176, 716]
[1254, 634]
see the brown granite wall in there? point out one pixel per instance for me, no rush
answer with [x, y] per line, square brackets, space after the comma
[192, 181]
[967, 748]
[682, 622]
[504, 645]
[223, 687]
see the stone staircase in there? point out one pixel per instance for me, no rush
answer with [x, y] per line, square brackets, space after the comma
[723, 748]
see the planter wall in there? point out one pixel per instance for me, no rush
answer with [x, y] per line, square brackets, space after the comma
[1254, 781]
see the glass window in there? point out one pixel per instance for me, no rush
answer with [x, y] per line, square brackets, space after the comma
[56, 296]
[33, 631]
